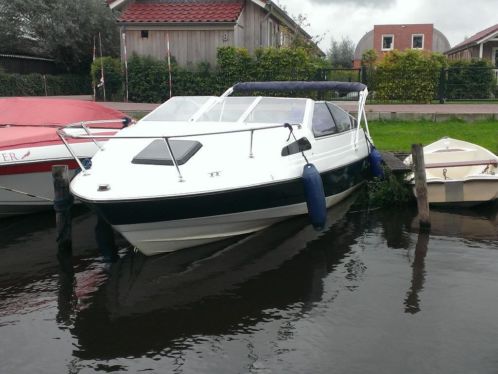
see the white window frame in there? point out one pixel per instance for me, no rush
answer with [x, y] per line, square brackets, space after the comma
[271, 32]
[382, 42]
[423, 40]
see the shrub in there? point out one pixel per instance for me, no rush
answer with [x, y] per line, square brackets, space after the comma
[41, 85]
[411, 75]
[113, 78]
[470, 80]
[147, 79]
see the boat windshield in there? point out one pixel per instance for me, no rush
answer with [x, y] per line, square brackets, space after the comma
[179, 108]
[255, 110]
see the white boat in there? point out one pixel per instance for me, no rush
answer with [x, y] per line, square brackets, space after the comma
[200, 169]
[459, 172]
[30, 146]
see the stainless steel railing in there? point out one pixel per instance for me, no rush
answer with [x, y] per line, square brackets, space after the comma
[84, 125]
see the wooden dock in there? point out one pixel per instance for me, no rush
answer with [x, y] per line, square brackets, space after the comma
[394, 163]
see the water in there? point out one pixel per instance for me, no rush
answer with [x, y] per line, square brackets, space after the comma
[369, 295]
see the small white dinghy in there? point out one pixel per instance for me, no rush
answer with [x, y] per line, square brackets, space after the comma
[459, 172]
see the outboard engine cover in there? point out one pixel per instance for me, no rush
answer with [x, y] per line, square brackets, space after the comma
[315, 196]
[376, 163]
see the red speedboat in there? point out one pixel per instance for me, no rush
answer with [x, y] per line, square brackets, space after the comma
[30, 146]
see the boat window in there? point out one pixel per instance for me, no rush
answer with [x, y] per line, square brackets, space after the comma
[300, 145]
[322, 123]
[156, 153]
[278, 110]
[341, 117]
[228, 109]
[179, 108]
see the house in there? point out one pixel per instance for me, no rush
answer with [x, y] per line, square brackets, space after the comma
[483, 45]
[385, 38]
[197, 28]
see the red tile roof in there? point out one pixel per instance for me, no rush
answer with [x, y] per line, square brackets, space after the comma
[475, 38]
[206, 11]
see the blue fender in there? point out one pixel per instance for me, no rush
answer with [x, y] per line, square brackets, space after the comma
[376, 163]
[315, 196]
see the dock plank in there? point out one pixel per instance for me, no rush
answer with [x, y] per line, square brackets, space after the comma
[394, 163]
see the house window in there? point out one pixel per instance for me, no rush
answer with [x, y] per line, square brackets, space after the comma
[418, 41]
[387, 42]
[144, 34]
[273, 34]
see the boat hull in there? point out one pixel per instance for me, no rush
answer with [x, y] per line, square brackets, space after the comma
[168, 224]
[462, 192]
[168, 236]
[459, 173]
[25, 193]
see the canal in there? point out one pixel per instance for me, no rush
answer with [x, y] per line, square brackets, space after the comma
[368, 295]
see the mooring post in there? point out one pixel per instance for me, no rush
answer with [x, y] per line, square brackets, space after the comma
[63, 200]
[421, 186]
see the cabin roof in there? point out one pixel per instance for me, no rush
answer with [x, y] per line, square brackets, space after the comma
[199, 11]
[474, 39]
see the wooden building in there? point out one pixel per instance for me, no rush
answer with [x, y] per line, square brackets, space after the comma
[483, 45]
[197, 28]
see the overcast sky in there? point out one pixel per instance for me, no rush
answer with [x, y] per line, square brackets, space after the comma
[456, 19]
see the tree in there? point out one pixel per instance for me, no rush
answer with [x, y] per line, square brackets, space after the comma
[368, 58]
[60, 29]
[341, 54]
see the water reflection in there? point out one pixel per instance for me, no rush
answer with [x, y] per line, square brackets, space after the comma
[149, 304]
[274, 298]
[412, 301]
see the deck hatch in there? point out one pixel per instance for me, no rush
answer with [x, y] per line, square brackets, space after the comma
[156, 153]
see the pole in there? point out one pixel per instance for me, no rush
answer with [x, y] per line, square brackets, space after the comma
[126, 67]
[63, 200]
[93, 60]
[102, 80]
[421, 186]
[169, 65]
[442, 86]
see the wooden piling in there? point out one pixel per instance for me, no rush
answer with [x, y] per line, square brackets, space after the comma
[63, 200]
[421, 186]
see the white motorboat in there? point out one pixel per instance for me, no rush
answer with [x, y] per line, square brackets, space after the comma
[30, 146]
[200, 169]
[459, 172]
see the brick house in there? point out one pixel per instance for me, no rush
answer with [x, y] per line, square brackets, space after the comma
[197, 28]
[483, 45]
[385, 38]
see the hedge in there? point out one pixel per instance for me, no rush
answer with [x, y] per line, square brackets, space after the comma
[41, 85]
[470, 80]
[148, 78]
[411, 75]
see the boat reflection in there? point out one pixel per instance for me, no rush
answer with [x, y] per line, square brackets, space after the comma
[479, 223]
[150, 302]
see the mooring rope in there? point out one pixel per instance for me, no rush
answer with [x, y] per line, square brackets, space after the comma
[26, 194]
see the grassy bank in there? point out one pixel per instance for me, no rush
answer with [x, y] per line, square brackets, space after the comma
[399, 136]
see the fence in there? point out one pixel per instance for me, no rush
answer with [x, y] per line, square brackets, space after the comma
[468, 83]
[447, 84]
[16, 64]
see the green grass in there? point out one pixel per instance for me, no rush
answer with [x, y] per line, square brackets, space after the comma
[398, 136]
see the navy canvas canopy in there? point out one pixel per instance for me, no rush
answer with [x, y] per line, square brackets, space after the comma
[344, 87]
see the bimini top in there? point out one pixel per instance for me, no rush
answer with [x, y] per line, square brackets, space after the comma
[343, 87]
